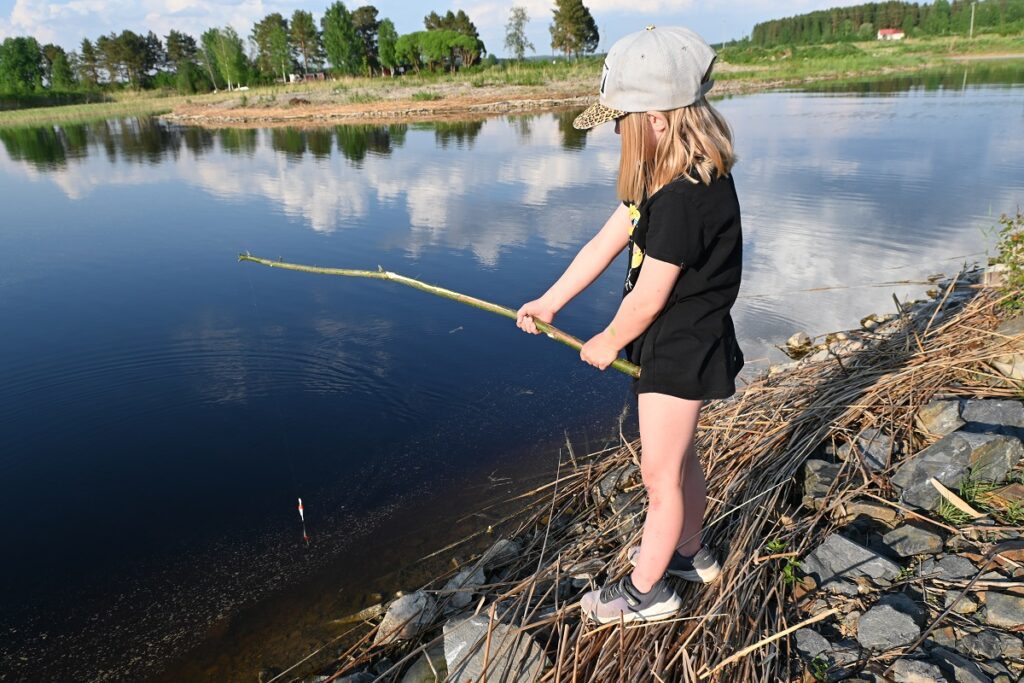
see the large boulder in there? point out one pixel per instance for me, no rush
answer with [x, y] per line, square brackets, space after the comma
[838, 565]
[512, 657]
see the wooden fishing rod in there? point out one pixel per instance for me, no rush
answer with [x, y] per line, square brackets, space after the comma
[620, 364]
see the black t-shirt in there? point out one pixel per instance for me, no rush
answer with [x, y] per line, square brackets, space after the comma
[690, 350]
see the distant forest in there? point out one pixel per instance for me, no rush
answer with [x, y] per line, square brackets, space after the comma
[862, 22]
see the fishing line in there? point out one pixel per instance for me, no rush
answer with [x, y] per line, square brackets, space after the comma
[276, 403]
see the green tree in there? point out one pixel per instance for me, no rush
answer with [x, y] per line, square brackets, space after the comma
[573, 29]
[407, 49]
[208, 41]
[516, 41]
[57, 68]
[460, 23]
[367, 28]
[270, 37]
[181, 48]
[229, 55]
[305, 39]
[343, 47]
[386, 39]
[937, 23]
[21, 65]
[88, 64]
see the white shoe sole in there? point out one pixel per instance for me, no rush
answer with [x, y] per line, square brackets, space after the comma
[703, 575]
[656, 612]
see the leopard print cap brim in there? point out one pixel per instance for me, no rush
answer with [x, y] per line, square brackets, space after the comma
[595, 115]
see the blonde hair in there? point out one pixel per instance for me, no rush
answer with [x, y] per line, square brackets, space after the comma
[697, 145]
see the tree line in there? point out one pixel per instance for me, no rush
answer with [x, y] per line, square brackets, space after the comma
[861, 22]
[341, 42]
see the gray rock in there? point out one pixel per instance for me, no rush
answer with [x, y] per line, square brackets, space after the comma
[810, 643]
[940, 417]
[910, 540]
[798, 344]
[945, 636]
[947, 460]
[838, 563]
[864, 509]
[513, 656]
[958, 668]
[1012, 645]
[1002, 416]
[423, 669]
[818, 479]
[360, 677]
[406, 617]
[462, 585]
[891, 622]
[950, 568]
[983, 645]
[993, 455]
[614, 481]
[987, 457]
[872, 446]
[501, 553]
[1004, 609]
[916, 671]
[845, 653]
[964, 605]
[1012, 327]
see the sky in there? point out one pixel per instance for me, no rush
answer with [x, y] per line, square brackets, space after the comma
[66, 22]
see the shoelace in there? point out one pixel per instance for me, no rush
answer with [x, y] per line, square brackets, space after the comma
[619, 589]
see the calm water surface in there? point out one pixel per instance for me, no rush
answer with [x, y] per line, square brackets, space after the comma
[162, 406]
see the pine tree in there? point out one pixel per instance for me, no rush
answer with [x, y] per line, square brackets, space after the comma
[364, 19]
[387, 39]
[305, 39]
[343, 46]
[273, 52]
[573, 29]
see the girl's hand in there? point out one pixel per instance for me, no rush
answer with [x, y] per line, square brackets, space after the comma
[537, 309]
[600, 351]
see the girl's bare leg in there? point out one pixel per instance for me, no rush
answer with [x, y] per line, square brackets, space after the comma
[667, 429]
[695, 496]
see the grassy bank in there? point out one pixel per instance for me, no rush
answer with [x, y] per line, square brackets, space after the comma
[532, 85]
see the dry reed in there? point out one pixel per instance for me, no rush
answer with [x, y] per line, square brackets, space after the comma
[753, 447]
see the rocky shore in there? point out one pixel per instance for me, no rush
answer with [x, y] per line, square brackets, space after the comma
[867, 501]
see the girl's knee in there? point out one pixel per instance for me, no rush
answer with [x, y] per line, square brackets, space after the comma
[660, 480]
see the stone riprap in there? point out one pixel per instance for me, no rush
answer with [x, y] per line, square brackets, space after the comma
[513, 656]
[909, 540]
[406, 617]
[872, 446]
[838, 565]
[894, 621]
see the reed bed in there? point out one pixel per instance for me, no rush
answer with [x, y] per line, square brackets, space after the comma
[573, 536]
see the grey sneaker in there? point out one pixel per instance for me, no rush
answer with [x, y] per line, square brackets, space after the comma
[701, 568]
[622, 600]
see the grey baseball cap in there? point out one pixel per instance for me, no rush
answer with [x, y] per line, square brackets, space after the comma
[657, 69]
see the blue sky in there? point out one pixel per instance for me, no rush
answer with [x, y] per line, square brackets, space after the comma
[66, 22]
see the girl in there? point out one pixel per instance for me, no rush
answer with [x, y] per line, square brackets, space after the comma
[680, 219]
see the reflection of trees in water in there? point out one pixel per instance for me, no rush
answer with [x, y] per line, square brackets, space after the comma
[238, 140]
[290, 141]
[953, 78]
[354, 142]
[572, 139]
[41, 147]
[197, 140]
[319, 142]
[523, 127]
[462, 133]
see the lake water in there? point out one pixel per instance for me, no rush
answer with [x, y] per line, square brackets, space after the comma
[162, 406]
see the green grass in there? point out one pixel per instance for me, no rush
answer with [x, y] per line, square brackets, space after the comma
[427, 96]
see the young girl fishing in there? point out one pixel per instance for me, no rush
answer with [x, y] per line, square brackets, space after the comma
[680, 220]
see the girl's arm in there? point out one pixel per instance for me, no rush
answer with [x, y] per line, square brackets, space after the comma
[589, 263]
[636, 313]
